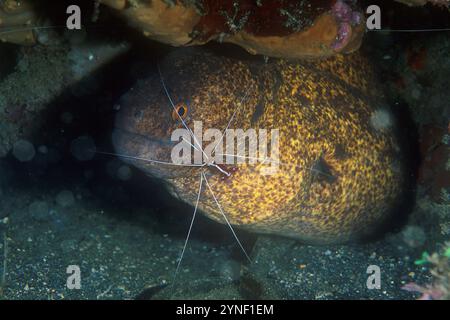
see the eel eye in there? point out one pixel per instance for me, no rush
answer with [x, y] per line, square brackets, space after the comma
[180, 111]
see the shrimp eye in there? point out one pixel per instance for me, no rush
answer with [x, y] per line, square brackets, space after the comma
[180, 111]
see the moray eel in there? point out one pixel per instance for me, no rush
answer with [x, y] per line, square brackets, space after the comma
[340, 173]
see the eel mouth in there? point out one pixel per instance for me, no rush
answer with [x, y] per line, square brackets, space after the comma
[150, 154]
[348, 21]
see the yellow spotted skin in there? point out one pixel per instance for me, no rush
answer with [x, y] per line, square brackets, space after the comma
[339, 173]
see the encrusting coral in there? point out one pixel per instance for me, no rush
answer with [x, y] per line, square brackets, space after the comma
[439, 265]
[276, 28]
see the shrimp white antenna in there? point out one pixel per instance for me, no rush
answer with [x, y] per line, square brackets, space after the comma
[149, 160]
[182, 138]
[226, 219]
[190, 229]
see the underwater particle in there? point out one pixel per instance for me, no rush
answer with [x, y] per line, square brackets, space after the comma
[381, 120]
[65, 198]
[43, 38]
[66, 117]
[83, 148]
[86, 59]
[124, 173]
[43, 149]
[39, 210]
[230, 270]
[416, 93]
[414, 236]
[47, 35]
[23, 150]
